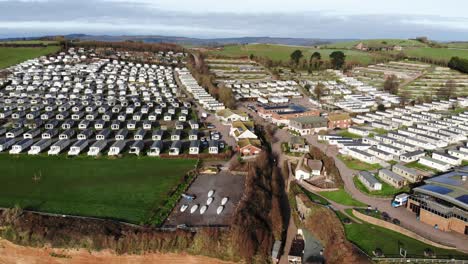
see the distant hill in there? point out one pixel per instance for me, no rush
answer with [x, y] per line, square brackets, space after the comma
[377, 43]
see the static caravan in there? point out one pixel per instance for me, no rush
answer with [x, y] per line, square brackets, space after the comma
[194, 147]
[131, 125]
[175, 149]
[52, 124]
[6, 143]
[40, 146]
[32, 133]
[91, 116]
[121, 134]
[193, 134]
[67, 134]
[77, 116]
[213, 147]
[103, 134]
[117, 147]
[148, 125]
[21, 145]
[115, 125]
[68, 124]
[78, 147]
[137, 147]
[157, 134]
[97, 147]
[176, 135]
[140, 134]
[85, 134]
[194, 124]
[156, 148]
[49, 134]
[99, 124]
[14, 132]
[59, 146]
[62, 115]
[84, 124]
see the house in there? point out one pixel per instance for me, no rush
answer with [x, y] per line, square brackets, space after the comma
[339, 120]
[156, 148]
[412, 156]
[308, 125]
[116, 148]
[242, 130]
[227, 116]
[410, 174]
[434, 163]
[77, 147]
[361, 46]
[137, 147]
[213, 147]
[307, 168]
[249, 147]
[194, 148]
[369, 181]
[298, 144]
[392, 178]
[59, 146]
[176, 146]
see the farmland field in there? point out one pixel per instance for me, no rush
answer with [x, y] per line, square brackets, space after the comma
[282, 52]
[436, 53]
[126, 189]
[11, 56]
[376, 42]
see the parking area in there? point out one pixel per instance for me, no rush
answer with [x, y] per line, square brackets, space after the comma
[224, 184]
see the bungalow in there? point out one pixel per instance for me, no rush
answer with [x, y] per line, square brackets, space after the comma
[194, 148]
[454, 161]
[116, 148]
[156, 148]
[410, 174]
[39, 146]
[434, 163]
[213, 147]
[77, 147]
[242, 130]
[392, 178]
[369, 181]
[137, 147]
[362, 156]
[308, 125]
[176, 146]
[307, 168]
[339, 120]
[59, 146]
[227, 116]
[249, 147]
[6, 143]
[139, 134]
[97, 147]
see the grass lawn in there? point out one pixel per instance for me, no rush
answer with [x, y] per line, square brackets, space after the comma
[341, 197]
[387, 190]
[11, 56]
[283, 52]
[129, 188]
[355, 164]
[345, 133]
[417, 165]
[369, 237]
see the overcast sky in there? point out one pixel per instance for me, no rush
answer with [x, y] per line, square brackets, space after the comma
[439, 20]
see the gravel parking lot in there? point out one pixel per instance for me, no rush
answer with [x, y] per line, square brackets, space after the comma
[224, 184]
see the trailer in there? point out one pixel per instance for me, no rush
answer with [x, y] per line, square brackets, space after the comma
[97, 147]
[21, 146]
[6, 143]
[117, 147]
[40, 146]
[78, 147]
[137, 147]
[59, 146]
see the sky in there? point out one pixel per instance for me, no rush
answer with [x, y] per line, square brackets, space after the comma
[326, 19]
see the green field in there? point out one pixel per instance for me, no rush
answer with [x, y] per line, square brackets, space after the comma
[341, 197]
[11, 56]
[45, 42]
[376, 43]
[436, 53]
[355, 164]
[369, 237]
[128, 189]
[283, 52]
[387, 189]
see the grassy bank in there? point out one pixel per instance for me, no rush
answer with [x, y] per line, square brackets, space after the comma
[11, 56]
[341, 197]
[355, 164]
[125, 189]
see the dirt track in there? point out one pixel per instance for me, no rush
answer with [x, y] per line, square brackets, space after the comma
[14, 254]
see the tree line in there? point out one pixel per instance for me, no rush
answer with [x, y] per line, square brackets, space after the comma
[458, 64]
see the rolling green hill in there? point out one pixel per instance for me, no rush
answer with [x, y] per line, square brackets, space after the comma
[377, 43]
